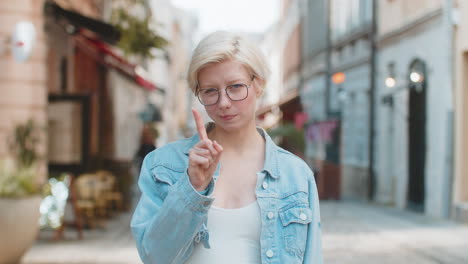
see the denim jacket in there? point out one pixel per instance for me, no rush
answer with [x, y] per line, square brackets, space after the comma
[171, 215]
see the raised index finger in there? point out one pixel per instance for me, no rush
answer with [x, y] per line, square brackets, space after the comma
[200, 125]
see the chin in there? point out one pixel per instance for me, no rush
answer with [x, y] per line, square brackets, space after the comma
[228, 126]
[231, 125]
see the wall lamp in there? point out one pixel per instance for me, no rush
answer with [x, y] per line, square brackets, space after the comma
[415, 81]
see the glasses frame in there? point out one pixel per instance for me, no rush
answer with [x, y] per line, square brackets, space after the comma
[227, 94]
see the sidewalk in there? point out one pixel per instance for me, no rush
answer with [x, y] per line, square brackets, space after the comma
[362, 233]
[110, 245]
[353, 233]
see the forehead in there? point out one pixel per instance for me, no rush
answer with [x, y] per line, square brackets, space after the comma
[221, 72]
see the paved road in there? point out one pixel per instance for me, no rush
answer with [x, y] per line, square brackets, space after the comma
[357, 233]
[112, 244]
[352, 233]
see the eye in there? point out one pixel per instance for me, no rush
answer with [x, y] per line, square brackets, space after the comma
[209, 91]
[236, 86]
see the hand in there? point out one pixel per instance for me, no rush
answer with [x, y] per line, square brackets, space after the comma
[203, 157]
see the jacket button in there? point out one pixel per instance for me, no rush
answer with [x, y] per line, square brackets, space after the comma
[303, 216]
[269, 253]
[206, 204]
[265, 185]
[271, 215]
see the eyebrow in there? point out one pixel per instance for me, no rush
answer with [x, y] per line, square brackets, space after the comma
[237, 80]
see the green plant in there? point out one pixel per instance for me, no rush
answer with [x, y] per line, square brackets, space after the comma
[18, 174]
[137, 37]
[24, 144]
[292, 138]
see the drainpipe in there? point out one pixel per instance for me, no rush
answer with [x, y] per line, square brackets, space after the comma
[328, 60]
[302, 27]
[372, 108]
[449, 169]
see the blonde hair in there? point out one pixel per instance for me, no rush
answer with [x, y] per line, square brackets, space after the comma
[220, 46]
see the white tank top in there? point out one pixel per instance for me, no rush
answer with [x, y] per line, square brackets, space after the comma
[234, 237]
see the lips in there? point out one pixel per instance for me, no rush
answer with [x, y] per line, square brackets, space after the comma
[227, 117]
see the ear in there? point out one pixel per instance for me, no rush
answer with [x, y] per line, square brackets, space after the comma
[258, 87]
[259, 93]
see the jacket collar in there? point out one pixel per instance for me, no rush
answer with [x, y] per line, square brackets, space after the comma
[271, 150]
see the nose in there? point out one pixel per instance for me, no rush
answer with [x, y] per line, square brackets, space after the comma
[224, 100]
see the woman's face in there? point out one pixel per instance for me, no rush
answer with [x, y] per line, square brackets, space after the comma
[228, 114]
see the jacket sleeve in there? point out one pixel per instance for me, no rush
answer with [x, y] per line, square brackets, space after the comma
[167, 217]
[313, 253]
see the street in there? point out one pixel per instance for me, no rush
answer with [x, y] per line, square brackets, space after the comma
[357, 233]
[352, 233]
[110, 245]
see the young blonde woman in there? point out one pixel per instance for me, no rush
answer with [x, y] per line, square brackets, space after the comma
[228, 194]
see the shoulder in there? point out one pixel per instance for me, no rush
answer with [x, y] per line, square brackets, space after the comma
[289, 162]
[289, 159]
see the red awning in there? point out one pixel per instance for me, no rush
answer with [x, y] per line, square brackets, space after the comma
[104, 54]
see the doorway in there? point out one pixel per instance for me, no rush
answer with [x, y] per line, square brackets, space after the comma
[417, 136]
[68, 128]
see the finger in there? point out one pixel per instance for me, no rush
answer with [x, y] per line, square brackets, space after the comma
[208, 146]
[200, 161]
[211, 148]
[204, 153]
[200, 125]
[217, 146]
[216, 160]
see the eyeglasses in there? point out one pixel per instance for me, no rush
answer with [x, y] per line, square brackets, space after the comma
[235, 92]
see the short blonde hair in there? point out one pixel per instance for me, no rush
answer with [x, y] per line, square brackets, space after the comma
[220, 46]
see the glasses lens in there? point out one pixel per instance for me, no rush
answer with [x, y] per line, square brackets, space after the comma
[208, 96]
[237, 92]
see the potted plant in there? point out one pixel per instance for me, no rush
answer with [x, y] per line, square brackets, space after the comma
[20, 194]
[291, 138]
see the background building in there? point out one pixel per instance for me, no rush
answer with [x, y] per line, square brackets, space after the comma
[337, 76]
[349, 98]
[322, 150]
[414, 104]
[170, 66]
[23, 85]
[281, 104]
[383, 132]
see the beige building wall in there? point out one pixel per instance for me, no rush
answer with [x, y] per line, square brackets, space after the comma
[397, 13]
[180, 84]
[291, 59]
[23, 85]
[461, 107]
[289, 38]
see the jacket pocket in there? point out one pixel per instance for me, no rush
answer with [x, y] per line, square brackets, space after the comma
[295, 221]
[165, 177]
[166, 174]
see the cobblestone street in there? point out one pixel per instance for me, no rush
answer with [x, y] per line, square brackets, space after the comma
[353, 233]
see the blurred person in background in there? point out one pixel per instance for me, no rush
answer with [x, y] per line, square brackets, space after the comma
[148, 137]
[228, 194]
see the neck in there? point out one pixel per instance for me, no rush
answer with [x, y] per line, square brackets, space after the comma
[239, 140]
